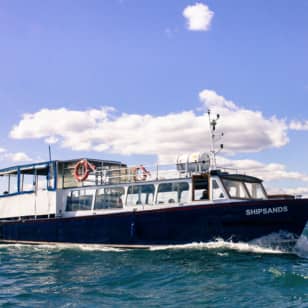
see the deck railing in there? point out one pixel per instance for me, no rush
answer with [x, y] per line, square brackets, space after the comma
[104, 175]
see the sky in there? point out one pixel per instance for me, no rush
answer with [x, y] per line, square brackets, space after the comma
[132, 80]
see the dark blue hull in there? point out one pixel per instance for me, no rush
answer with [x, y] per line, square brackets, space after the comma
[178, 225]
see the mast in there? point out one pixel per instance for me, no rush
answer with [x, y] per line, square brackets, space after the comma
[49, 150]
[213, 138]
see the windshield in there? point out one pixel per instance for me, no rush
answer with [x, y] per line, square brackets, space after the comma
[255, 190]
[244, 190]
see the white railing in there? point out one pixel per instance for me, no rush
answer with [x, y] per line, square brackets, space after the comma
[130, 174]
[103, 175]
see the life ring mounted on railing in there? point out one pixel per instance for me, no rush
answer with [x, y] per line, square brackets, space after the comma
[82, 170]
[140, 173]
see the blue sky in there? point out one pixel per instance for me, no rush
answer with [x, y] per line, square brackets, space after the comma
[141, 58]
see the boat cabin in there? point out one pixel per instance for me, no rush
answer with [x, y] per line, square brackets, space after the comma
[89, 187]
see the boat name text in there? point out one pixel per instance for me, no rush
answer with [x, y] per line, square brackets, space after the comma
[267, 211]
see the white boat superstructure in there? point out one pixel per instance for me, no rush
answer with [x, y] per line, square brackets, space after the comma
[54, 189]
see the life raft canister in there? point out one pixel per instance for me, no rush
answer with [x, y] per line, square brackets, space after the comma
[82, 170]
[140, 173]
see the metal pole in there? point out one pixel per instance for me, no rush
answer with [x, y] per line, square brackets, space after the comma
[49, 148]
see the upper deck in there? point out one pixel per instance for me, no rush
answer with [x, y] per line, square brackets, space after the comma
[76, 173]
[49, 175]
[80, 187]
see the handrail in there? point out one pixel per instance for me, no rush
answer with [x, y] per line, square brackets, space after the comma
[104, 175]
[129, 174]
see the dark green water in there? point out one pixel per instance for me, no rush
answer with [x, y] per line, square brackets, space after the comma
[206, 275]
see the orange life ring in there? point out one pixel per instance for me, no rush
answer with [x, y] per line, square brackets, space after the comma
[85, 166]
[140, 173]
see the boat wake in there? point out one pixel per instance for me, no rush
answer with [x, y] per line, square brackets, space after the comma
[84, 247]
[63, 246]
[277, 243]
[301, 247]
[220, 244]
[271, 244]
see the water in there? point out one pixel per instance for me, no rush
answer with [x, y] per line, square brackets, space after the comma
[217, 274]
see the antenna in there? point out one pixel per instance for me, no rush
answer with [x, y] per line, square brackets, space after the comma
[49, 149]
[213, 138]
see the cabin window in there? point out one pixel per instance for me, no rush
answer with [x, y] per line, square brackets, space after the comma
[13, 183]
[217, 191]
[80, 200]
[173, 192]
[200, 187]
[40, 182]
[4, 187]
[9, 183]
[111, 197]
[236, 189]
[140, 194]
[255, 190]
[27, 180]
[24, 179]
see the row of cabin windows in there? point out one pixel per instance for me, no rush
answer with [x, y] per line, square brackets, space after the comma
[28, 180]
[114, 197]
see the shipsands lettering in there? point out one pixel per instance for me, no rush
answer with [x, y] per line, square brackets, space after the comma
[267, 211]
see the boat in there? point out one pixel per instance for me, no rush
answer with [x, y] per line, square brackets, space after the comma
[95, 201]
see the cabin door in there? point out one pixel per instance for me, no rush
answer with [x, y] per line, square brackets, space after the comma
[200, 189]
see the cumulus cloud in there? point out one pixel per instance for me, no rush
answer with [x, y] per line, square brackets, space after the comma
[245, 130]
[14, 157]
[303, 191]
[298, 125]
[198, 17]
[166, 135]
[267, 172]
[52, 122]
[17, 157]
[51, 140]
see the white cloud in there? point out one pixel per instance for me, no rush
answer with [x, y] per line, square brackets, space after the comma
[52, 122]
[303, 191]
[297, 125]
[166, 135]
[198, 17]
[245, 130]
[13, 157]
[267, 172]
[51, 140]
[17, 157]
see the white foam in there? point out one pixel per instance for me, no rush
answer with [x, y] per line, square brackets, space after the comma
[217, 244]
[261, 245]
[221, 244]
[301, 247]
[86, 247]
[274, 243]
[62, 246]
